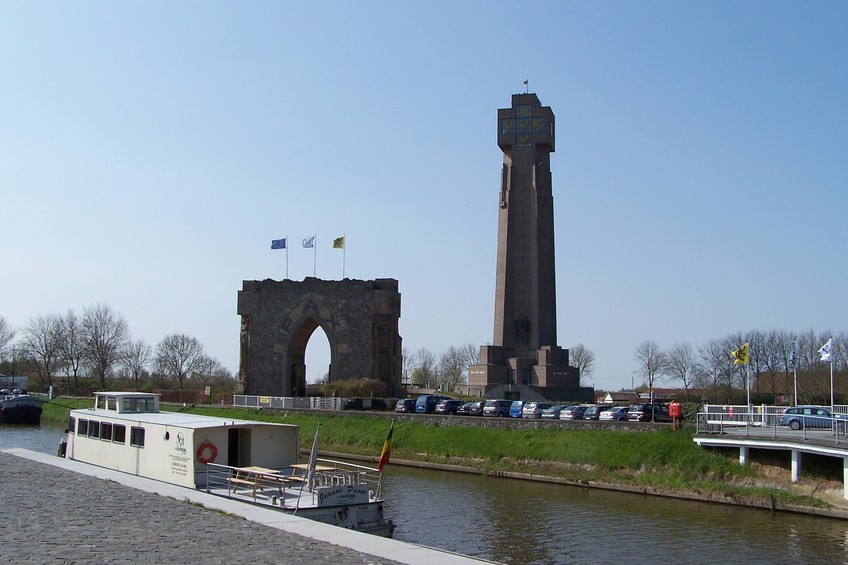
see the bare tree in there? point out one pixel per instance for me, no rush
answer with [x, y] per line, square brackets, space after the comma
[453, 366]
[72, 345]
[652, 364]
[682, 365]
[106, 334]
[425, 368]
[7, 334]
[178, 356]
[583, 358]
[41, 347]
[135, 357]
[714, 363]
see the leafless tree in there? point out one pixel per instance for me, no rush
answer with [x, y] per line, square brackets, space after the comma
[714, 362]
[652, 364]
[106, 334]
[583, 358]
[814, 387]
[72, 345]
[41, 347]
[425, 368]
[682, 365]
[210, 372]
[7, 334]
[453, 365]
[178, 356]
[135, 358]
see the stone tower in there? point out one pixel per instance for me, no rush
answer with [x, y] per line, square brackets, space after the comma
[524, 350]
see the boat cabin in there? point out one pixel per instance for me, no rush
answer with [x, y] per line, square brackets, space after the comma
[127, 432]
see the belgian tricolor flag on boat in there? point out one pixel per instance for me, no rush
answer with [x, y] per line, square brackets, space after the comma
[387, 449]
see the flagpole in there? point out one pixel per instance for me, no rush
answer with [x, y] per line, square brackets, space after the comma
[314, 255]
[344, 254]
[795, 372]
[287, 257]
[831, 383]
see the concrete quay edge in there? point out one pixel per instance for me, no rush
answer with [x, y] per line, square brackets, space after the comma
[386, 548]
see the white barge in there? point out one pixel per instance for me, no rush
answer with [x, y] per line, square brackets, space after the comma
[256, 462]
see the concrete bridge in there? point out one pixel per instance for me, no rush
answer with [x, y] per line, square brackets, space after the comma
[747, 431]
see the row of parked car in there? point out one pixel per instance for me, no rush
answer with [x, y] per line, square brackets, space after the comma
[439, 404]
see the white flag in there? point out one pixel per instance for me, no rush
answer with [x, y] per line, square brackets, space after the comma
[826, 350]
[313, 460]
[309, 242]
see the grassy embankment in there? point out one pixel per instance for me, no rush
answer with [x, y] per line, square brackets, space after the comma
[662, 459]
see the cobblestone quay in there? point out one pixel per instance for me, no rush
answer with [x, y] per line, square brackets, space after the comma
[51, 514]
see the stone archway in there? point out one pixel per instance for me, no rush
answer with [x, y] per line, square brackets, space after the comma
[359, 318]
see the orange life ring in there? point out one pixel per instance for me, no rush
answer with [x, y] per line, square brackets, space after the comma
[207, 453]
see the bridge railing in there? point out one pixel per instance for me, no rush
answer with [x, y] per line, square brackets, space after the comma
[765, 422]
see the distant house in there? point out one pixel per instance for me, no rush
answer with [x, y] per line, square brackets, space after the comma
[618, 398]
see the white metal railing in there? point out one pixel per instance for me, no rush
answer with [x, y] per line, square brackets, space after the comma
[737, 420]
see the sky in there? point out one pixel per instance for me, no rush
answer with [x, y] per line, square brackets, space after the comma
[150, 152]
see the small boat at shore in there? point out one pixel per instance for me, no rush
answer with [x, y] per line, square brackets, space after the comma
[254, 462]
[19, 407]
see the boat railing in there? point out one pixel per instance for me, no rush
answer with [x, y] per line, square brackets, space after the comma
[273, 483]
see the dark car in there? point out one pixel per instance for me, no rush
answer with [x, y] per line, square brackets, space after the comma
[594, 412]
[405, 405]
[476, 408]
[572, 413]
[497, 408]
[799, 417]
[464, 410]
[447, 406]
[642, 413]
[426, 403]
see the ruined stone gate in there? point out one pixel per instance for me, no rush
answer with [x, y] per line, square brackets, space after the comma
[360, 319]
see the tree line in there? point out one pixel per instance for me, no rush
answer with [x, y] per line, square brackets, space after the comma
[775, 357]
[96, 346]
[445, 371]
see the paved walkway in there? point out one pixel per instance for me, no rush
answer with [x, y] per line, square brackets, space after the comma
[54, 510]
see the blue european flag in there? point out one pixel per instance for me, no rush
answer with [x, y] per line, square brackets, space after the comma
[278, 243]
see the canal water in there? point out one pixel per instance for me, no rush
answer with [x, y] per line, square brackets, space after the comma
[521, 522]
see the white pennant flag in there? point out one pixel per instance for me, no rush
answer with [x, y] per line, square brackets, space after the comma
[309, 242]
[826, 351]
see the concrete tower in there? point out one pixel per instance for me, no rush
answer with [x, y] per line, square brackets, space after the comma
[524, 360]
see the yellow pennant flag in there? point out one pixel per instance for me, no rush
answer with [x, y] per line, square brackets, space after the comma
[338, 243]
[740, 356]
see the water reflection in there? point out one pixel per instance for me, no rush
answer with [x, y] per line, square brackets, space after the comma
[519, 522]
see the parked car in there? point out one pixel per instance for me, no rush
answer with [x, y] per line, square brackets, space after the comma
[534, 409]
[614, 414]
[799, 417]
[476, 408]
[405, 405]
[552, 412]
[464, 409]
[426, 403]
[642, 413]
[572, 413]
[497, 408]
[447, 406]
[593, 411]
[515, 408]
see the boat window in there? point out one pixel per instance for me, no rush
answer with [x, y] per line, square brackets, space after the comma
[72, 424]
[137, 437]
[83, 427]
[119, 433]
[112, 404]
[94, 429]
[106, 431]
[145, 404]
[100, 402]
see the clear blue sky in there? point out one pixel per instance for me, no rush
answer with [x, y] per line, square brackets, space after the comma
[150, 151]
